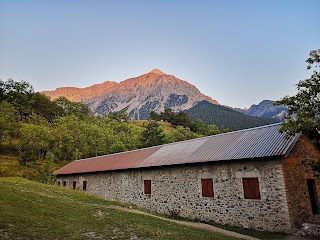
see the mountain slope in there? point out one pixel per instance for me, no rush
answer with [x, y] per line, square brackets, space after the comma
[81, 94]
[138, 96]
[225, 117]
[266, 109]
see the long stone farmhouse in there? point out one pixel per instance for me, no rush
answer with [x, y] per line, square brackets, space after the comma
[255, 178]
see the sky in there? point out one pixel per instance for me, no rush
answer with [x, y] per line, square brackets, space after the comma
[239, 52]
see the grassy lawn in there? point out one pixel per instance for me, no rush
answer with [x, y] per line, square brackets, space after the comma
[264, 235]
[30, 210]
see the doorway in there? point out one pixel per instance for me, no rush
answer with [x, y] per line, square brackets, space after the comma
[313, 196]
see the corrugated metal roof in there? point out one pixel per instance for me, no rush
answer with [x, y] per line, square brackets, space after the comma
[265, 141]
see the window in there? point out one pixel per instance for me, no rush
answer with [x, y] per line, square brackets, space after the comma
[147, 187]
[207, 187]
[74, 185]
[64, 183]
[84, 186]
[59, 183]
[251, 188]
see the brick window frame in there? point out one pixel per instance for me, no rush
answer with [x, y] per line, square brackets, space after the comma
[251, 188]
[147, 187]
[207, 187]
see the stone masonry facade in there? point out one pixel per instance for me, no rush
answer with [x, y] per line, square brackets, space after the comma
[297, 170]
[177, 190]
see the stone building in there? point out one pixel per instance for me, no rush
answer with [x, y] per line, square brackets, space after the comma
[255, 178]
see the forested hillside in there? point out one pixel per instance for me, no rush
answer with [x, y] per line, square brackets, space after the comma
[43, 134]
[225, 117]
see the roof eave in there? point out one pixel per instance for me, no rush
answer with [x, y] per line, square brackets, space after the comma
[292, 144]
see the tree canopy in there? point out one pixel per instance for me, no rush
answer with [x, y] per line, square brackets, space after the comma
[304, 107]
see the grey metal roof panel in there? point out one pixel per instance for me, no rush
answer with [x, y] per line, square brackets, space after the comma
[251, 143]
[172, 154]
[257, 142]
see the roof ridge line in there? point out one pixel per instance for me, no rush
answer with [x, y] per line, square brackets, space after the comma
[253, 128]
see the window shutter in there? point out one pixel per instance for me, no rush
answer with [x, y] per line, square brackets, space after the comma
[147, 186]
[251, 188]
[207, 187]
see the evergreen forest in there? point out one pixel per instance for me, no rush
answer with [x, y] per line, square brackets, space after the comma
[225, 117]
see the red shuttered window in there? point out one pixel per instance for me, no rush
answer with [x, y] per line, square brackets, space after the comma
[207, 187]
[251, 188]
[147, 187]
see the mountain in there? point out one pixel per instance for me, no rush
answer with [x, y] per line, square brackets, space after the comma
[266, 109]
[225, 117]
[137, 96]
[81, 94]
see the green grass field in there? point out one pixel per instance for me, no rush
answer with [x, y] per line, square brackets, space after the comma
[30, 210]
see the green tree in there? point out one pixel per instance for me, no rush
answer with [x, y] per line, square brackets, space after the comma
[22, 96]
[19, 94]
[180, 134]
[167, 115]
[34, 142]
[76, 155]
[212, 130]
[176, 135]
[152, 135]
[9, 123]
[121, 116]
[73, 108]
[47, 168]
[95, 139]
[180, 119]
[198, 126]
[304, 107]
[226, 130]
[130, 137]
[43, 106]
[118, 146]
[154, 116]
[63, 142]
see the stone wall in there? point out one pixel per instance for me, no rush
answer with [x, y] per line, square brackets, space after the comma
[297, 168]
[177, 190]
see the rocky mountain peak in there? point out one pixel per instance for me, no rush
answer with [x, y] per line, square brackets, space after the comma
[157, 72]
[267, 109]
[154, 91]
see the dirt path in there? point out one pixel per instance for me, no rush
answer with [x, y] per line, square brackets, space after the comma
[189, 224]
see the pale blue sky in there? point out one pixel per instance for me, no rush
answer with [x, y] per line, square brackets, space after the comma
[237, 52]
